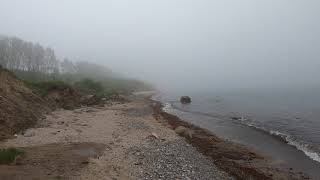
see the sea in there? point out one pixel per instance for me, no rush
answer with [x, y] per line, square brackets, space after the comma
[281, 124]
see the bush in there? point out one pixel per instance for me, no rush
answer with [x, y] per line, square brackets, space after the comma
[88, 86]
[46, 86]
[7, 156]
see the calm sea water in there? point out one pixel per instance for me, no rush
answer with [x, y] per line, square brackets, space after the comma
[284, 124]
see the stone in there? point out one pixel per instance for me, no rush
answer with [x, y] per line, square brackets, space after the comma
[180, 129]
[29, 134]
[185, 132]
[185, 100]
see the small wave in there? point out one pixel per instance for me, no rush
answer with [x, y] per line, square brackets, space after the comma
[167, 107]
[282, 136]
[299, 145]
[286, 138]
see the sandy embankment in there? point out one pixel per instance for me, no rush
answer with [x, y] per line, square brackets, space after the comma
[118, 141]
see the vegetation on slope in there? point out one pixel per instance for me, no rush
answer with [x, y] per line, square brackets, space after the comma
[34, 63]
[9, 155]
[46, 86]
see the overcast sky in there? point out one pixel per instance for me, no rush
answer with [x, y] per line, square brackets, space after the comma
[180, 43]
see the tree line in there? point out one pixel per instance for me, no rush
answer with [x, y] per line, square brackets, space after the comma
[33, 62]
[19, 55]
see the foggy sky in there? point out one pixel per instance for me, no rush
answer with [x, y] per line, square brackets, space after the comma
[196, 44]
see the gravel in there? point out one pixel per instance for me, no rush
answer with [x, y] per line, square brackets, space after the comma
[158, 159]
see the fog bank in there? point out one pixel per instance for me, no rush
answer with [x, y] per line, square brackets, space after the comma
[177, 44]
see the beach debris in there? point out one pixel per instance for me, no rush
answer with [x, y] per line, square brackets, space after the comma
[185, 100]
[154, 135]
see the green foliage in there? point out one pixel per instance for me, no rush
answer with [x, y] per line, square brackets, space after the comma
[34, 63]
[89, 86]
[7, 156]
[36, 76]
[46, 86]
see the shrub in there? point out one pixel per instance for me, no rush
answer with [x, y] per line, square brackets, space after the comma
[7, 156]
[88, 86]
[46, 86]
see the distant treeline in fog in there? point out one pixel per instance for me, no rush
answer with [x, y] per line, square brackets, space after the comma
[33, 62]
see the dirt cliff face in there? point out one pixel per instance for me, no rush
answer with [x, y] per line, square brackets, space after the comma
[66, 98]
[20, 107]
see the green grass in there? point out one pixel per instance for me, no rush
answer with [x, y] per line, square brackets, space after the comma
[8, 155]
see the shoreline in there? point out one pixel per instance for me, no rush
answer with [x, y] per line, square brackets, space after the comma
[236, 159]
[135, 139]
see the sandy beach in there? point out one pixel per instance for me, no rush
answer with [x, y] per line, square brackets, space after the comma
[116, 141]
[130, 140]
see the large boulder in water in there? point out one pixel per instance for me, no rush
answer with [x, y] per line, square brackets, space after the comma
[185, 100]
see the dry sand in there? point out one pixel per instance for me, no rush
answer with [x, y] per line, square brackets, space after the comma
[118, 141]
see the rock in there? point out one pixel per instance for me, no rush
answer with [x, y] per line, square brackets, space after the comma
[185, 100]
[236, 118]
[29, 134]
[180, 129]
[185, 132]
[188, 134]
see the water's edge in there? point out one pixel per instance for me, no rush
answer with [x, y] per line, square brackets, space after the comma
[282, 138]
